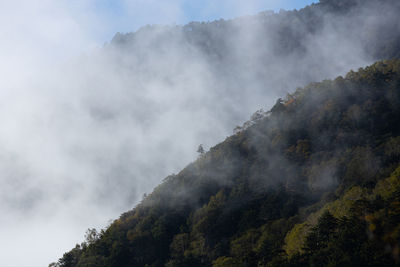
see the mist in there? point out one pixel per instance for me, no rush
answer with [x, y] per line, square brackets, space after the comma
[88, 129]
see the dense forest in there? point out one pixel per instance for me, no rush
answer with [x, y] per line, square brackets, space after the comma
[314, 181]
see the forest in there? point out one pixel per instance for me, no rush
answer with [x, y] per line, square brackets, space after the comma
[314, 181]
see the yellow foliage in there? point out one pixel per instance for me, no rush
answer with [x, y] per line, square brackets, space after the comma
[386, 187]
[225, 262]
[294, 240]
[372, 227]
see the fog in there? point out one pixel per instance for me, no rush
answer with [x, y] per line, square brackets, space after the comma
[87, 129]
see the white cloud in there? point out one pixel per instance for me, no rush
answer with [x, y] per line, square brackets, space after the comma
[85, 132]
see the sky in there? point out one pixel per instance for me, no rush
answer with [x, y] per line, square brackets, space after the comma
[55, 148]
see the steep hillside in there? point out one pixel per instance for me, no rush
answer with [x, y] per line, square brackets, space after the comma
[264, 51]
[207, 78]
[286, 33]
[312, 182]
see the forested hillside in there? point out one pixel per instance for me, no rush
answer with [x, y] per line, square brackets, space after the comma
[315, 181]
[270, 51]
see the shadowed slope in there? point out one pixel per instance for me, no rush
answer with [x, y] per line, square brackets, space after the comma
[236, 204]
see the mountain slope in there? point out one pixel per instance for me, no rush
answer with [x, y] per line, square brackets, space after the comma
[252, 51]
[301, 174]
[256, 59]
[256, 197]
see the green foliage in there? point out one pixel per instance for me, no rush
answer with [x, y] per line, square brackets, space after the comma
[314, 183]
[294, 240]
[348, 241]
[387, 187]
[226, 262]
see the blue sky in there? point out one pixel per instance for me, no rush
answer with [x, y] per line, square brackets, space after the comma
[129, 15]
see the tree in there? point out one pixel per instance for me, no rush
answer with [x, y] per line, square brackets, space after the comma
[321, 233]
[91, 236]
[200, 149]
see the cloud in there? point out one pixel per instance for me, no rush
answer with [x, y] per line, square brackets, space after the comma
[85, 130]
